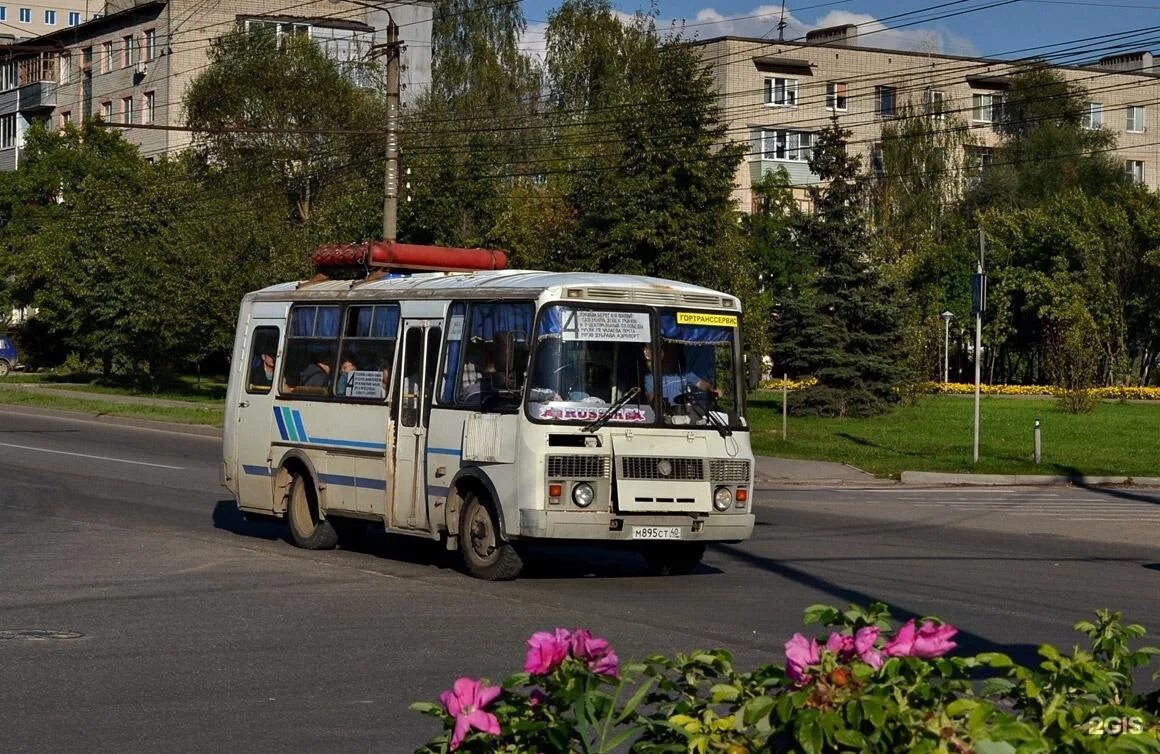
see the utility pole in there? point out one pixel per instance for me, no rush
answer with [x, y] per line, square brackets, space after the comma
[391, 179]
[978, 304]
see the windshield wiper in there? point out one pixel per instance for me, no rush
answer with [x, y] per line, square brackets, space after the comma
[722, 427]
[601, 420]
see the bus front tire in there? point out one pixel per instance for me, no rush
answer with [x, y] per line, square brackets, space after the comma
[308, 530]
[673, 559]
[485, 554]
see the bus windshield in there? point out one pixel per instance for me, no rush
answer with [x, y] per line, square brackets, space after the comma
[681, 364]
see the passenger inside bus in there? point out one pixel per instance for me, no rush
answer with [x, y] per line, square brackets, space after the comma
[346, 368]
[316, 374]
[262, 373]
[675, 378]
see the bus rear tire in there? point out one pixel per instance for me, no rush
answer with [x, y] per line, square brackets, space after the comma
[308, 530]
[485, 554]
[673, 559]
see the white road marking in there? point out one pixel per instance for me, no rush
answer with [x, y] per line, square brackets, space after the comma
[95, 458]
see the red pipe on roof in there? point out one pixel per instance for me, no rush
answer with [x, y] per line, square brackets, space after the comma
[408, 256]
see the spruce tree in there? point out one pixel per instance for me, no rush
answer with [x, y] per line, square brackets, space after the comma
[841, 327]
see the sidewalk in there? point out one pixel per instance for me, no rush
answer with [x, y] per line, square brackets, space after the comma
[770, 471]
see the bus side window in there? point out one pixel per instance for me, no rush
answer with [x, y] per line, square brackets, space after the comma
[262, 361]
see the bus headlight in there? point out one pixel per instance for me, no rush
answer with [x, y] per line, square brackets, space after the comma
[582, 495]
[722, 498]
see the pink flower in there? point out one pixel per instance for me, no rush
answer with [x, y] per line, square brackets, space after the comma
[864, 645]
[465, 702]
[800, 652]
[546, 651]
[841, 645]
[596, 652]
[927, 641]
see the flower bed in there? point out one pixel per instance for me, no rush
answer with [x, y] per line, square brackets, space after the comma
[865, 688]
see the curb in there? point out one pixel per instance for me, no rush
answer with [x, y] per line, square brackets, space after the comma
[934, 478]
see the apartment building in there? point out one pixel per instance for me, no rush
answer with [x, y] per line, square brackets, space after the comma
[133, 63]
[22, 21]
[778, 95]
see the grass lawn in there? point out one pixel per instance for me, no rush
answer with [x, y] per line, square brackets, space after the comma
[936, 435]
[209, 390]
[211, 414]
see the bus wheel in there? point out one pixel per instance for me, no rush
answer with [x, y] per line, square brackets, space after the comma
[484, 552]
[307, 529]
[673, 559]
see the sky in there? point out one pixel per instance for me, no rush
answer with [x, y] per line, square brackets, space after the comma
[977, 28]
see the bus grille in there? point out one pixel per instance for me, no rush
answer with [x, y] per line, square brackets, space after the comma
[577, 467]
[728, 470]
[633, 467]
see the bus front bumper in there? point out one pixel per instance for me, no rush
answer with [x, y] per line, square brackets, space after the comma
[606, 526]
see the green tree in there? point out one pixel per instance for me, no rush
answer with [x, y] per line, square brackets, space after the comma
[1046, 149]
[278, 117]
[842, 328]
[471, 141]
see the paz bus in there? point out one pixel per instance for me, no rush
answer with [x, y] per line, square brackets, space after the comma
[445, 397]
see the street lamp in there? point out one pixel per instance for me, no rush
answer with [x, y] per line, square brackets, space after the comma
[947, 316]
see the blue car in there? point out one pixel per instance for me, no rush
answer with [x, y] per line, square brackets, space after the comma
[8, 360]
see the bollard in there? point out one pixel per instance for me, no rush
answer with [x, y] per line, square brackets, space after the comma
[1038, 443]
[784, 401]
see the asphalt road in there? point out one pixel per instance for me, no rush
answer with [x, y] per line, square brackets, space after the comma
[198, 631]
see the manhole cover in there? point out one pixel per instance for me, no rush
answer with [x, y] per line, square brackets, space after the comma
[40, 634]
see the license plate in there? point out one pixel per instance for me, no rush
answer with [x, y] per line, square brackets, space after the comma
[656, 532]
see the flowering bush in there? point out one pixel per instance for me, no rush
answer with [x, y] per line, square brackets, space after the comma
[963, 388]
[865, 688]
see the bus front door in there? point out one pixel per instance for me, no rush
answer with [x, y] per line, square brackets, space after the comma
[414, 385]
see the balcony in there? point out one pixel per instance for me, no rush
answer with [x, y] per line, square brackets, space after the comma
[36, 78]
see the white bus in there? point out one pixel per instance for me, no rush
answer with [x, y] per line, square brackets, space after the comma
[491, 409]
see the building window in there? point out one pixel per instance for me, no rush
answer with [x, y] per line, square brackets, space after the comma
[126, 109]
[1135, 170]
[129, 53]
[936, 104]
[50, 18]
[790, 146]
[65, 68]
[107, 112]
[150, 47]
[1093, 116]
[1135, 119]
[8, 131]
[65, 119]
[74, 18]
[979, 159]
[781, 92]
[3, 12]
[877, 161]
[8, 77]
[26, 15]
[836, 96]
[106, 57]
[884, 101]
[147, 111]
[985, 107]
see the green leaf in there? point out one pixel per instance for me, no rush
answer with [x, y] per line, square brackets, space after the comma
[724, 692]
[993, 747]
[996, 687]
[851, 738]
[631, 705]
[755, 709]
[824, 614]
[874, 711]
[961, 706]
[810, 738]
[428, 708]
[995, 659]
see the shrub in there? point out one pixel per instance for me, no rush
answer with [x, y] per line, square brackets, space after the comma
[865, 687]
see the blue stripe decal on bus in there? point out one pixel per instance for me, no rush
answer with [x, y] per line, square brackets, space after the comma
[349, 443]
[446, 451]
[288, 418]
[437, 491]
[258, 470]
[281, 424]
[360, 482]
[302, 436]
